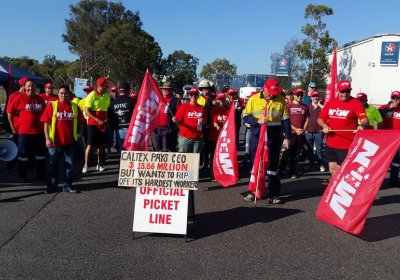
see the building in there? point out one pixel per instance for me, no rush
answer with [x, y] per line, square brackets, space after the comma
[372, 66]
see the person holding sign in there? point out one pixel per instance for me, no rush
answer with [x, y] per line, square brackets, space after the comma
[190, 118]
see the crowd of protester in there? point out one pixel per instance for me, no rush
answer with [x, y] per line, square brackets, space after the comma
[300, 127]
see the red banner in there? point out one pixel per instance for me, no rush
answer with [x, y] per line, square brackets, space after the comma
[351, 192]
[257, 178]
[145, 117]
[225, 165]
[332, 79]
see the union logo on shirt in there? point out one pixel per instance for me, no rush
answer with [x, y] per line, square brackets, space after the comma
[33, 107]
[65, 115]
[338, 113]
[195, 114]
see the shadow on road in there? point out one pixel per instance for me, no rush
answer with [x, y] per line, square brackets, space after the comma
[381, 228]
[208, 224]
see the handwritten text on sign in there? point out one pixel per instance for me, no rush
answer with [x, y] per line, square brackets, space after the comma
[159, 170]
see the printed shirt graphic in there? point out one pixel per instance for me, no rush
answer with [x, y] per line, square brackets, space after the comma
[219, 115]
[64, 124]
[391, 120]
[340, 115]
[298, 114]
[187, 117]
[98, 104]
[48, 98]
[28, 109]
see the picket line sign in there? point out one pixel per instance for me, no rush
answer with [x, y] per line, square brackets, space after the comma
[162, 181]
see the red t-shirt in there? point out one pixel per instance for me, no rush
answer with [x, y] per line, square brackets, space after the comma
[28, 110]
[64, 134]
[391, 120]
[218, 115]
[48, 98]
[10, 99]
[164, 114]
[187, 117]
[298, 114]
[339, 115]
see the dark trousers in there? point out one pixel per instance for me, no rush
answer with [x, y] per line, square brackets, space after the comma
[394, 170]
[275, 140]
[31, 145]
[55, 153]
[293, 154]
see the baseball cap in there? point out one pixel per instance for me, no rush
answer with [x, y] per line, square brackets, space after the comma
[232, 91]
[48, 85]
[88, 88]
[193, 91]
[272, 86]
[22, 81]
[395, 94]
[220, 95]
[114, 89]
[344, 85]
[361, 96]
[298, 91]
[315, 94]
[102, 82]
[124, 86]
[312, 84]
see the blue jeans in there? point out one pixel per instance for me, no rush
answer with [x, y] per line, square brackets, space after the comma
[316, 139]
[121, 138]
[68, 152]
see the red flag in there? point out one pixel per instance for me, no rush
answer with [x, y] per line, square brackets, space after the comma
[257, 178]
[225, 166]
[145, 117]
[351, 192]
[332, 79]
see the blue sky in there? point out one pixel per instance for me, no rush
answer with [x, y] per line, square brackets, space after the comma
[245, 32]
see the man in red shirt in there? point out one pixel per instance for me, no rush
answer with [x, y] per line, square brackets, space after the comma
[233, 95]
[28, 107]
[339, 121]
[190, 119]
[61, 121]
[165, 135]
[391, 120]
[48, 95]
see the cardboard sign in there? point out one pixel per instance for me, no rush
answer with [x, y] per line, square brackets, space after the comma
[161, 210]
[159, 170]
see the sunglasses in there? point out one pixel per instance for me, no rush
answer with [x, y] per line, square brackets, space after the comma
[395, 98]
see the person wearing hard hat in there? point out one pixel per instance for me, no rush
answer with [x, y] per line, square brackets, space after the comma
[277, 120]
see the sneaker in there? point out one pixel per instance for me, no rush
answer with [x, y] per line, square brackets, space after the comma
[294, 176]
[100, 168]
[85, 169]
[274, 200]
[249, 197]
[69, 190]
[322, 168]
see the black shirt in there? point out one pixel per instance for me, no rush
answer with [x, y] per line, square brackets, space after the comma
[120, 111]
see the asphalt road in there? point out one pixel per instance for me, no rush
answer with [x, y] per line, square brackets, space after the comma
[88, 235]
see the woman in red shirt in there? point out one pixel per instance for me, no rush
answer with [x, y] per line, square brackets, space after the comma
[191, 117]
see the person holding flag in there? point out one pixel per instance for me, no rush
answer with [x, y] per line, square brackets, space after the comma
[339, 121]
[219, 114]
[269, 109]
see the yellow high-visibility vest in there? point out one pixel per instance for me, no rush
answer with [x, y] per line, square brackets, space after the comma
[52, 127]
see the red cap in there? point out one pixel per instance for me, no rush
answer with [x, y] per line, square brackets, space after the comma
[298, 91]
[48, 85]
[232, 91]
[251, 94]
[395, 94]
[344, 85]
[361, 96]
[22, 81]
[272, 86]
[194, 91]
[114, 89]
[220, 95]
[102, 82]
[315, 94]
[88, 88]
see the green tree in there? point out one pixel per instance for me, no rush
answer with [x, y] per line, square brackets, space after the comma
[220, 71]
[109, 41]
[315, 45]
[180, 68]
